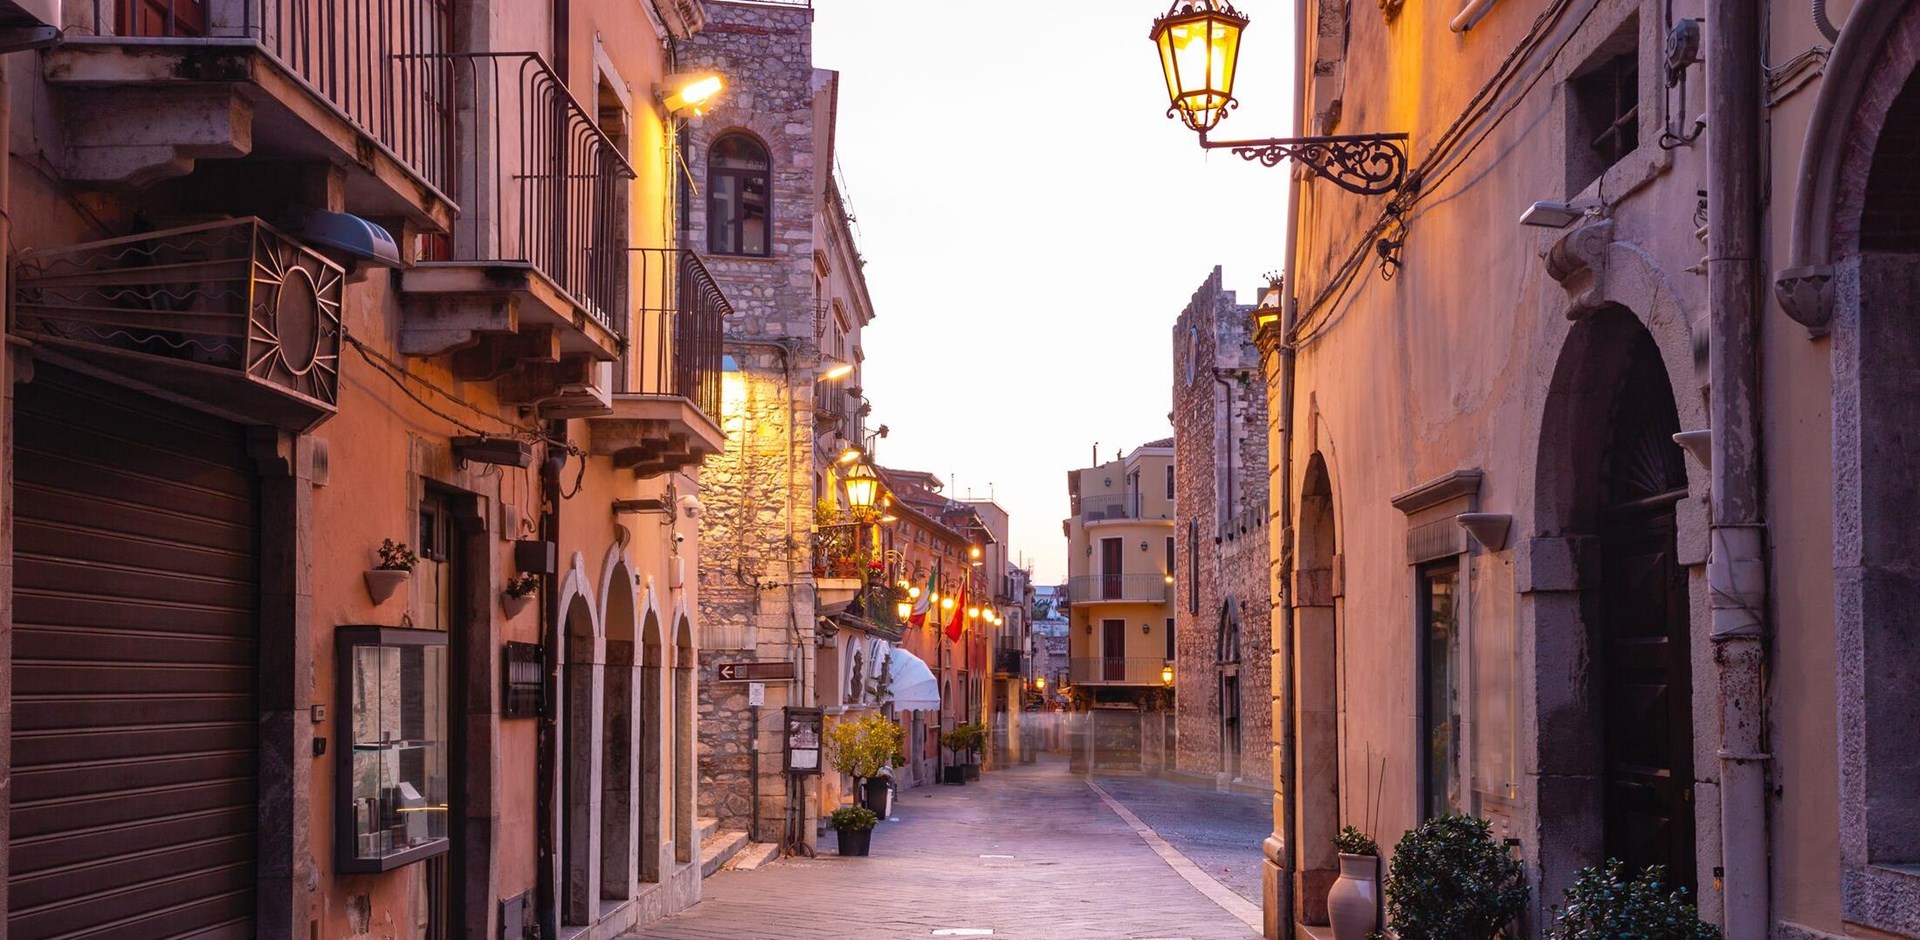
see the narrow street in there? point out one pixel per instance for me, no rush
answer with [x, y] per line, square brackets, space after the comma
[1028, 852]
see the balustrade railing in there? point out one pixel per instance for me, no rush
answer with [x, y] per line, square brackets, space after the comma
[1145, 588]
[540, 182]
[382, 63]
[678, 325]
[1116, 670]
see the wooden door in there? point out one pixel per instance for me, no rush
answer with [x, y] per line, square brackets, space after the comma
[1113, 650]
[133, 799]
[161, 18]
[1110, 569]
[1646, 682]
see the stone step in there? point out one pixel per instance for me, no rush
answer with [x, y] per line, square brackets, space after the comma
[753, 856]
[718, 848]
[705, 827]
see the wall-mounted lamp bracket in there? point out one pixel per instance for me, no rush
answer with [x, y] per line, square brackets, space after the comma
[1364, 164]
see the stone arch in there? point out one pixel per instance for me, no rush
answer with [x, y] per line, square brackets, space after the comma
[1870, 63]
[652, 754]
[1316, 690]
[1627, 370]
[1227, 685]
[618, 809]
[1875, 268]
[686, 712]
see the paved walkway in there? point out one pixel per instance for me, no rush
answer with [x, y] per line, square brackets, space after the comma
[1220, 832]
[1029, 852]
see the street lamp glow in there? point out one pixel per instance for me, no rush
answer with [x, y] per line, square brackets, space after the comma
[838, 370]
[691, 92]
[862, 487]
[1166, 674]
[849, 455]
[946, 603]
[1040, 683]
[903, 610]
[1199, 43]
[914, 593]
[973, 613]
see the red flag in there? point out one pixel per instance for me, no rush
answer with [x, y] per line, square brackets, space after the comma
[959, 615]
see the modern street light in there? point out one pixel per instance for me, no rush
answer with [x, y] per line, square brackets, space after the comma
[1199, 43]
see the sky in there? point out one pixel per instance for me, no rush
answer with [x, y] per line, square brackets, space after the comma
[1032, 225]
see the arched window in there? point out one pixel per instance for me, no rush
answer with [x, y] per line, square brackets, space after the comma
[739, 197]
[1229, 648]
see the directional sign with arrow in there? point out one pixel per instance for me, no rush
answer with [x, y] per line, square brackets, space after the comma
[757, 672]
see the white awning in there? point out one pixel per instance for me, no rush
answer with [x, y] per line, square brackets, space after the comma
[914, 687]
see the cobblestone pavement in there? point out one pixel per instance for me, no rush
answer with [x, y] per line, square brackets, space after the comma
[1220, 832]
[1029, 852]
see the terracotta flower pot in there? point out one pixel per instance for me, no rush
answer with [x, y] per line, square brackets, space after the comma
[382, 582]
[514, 605]
[1353, 904]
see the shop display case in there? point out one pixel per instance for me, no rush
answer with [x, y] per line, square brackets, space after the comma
[391, 804]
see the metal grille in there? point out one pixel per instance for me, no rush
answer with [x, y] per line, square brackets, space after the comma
[677, 330]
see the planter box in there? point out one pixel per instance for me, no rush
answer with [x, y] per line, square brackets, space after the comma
[972, 771]
[953, 774]
[855, 841]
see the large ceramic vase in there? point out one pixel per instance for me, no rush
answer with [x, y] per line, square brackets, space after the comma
[1354, 903]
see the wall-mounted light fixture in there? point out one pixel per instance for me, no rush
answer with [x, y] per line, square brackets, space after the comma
[1199, 43]
[1146, 628]
[688, 94]
[1166, 675]
[1558, 214]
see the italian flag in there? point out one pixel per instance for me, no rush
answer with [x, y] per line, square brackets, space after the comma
[925, 602]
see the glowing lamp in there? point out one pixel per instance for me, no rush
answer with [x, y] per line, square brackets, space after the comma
[1199, 43]
[1166, 674]
[946, 603]
[973, 613]
[914, 593]
[1040, 683]
[1169, 579]
[838, 370]
[690, 93]
[903, 610]
[862, 487]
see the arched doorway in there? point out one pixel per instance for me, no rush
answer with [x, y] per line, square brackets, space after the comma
[1613, 643]
[1227, 660]
[1642, 644]
[1316, 684]
[652, 716]
[617, 809]
[580, 887]
[685, 716]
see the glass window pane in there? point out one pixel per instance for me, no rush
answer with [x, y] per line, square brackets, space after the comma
[1440, 711]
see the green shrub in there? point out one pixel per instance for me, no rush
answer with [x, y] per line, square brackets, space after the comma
[1352, 841]
[1451, 881]
[862, 747]
[1604, 905]
[964, 738]
[854, 818]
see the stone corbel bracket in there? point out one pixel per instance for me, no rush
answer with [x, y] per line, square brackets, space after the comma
[1806, 294]
[1579, 262]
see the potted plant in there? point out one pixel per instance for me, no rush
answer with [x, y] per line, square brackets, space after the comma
[1451, 881]
[396, 565]
[861, 749]
[519, 593]
[1603, 904]
[1353, 904]
[854, 825]
[956, 741]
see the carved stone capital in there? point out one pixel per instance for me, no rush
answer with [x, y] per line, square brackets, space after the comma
[1806, 294]
[1579, 262]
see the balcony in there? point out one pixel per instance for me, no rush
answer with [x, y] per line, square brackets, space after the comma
[233, 316]
[841, 558]
[531, 288]
[1107, 506]
[145, 89]
[666, 392]
[1116, 670]
[1119, 589]
[1009, 661]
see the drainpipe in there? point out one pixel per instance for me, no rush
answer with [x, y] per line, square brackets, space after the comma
[547, 762]
[1736, 569]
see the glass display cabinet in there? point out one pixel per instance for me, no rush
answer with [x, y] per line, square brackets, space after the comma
[391, 801]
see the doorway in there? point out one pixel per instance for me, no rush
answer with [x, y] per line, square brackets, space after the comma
[1646, 682]
[1113, 650]
[1110, 569]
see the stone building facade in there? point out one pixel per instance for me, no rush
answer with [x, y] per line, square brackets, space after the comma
[1222, 644]
[1593, 442]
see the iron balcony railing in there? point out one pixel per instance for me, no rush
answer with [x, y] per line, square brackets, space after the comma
[1009, 661]
[842, 551]
[1116, 670]
[1138, 588]
[1106, 506]
[678, 326]
[540, 183]
[381, 63]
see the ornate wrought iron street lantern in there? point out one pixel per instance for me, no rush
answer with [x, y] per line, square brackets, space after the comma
[863, 487]
[1199, 43]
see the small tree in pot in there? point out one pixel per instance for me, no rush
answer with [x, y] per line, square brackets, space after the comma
[1603, 904]
[1451, 881]
[861, 748]
[1353, 904]
[853, 825]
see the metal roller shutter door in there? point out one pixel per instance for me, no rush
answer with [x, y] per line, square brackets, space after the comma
[135, 623]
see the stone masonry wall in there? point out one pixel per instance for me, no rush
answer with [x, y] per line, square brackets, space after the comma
[756, 589]
[1220, 513]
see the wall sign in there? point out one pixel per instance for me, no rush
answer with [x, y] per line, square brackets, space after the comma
[804, 726]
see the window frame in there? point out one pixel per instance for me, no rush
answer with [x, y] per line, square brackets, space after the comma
[1425, 575]
[735, 225]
